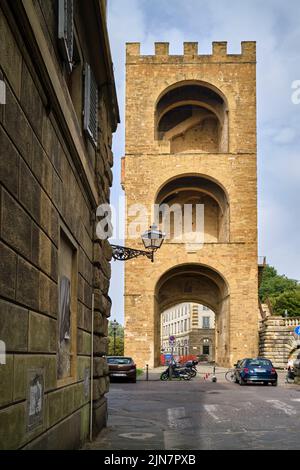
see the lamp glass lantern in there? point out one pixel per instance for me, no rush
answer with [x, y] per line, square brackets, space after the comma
[153, 238]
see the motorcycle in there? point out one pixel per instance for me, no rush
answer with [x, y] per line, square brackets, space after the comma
[181, 373]
[191, 365]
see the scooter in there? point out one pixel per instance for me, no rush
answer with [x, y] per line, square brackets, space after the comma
[180, 373]
[191, 365]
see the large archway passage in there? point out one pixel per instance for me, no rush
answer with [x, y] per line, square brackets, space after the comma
[200, 284]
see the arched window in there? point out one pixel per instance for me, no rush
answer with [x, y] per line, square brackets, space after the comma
[193, 117]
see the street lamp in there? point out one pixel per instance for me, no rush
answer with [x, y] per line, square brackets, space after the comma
[114, 325]
[152, 240]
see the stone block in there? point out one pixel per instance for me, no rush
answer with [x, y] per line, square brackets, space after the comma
[100, 345]
[85, 423]
[42, 333]
[45, 213]
[100, 367]
[41, 166]
[55, 407]
[11, 58]
[9, 164]
[63, 436]
[12, 429]
[48, 296]
[98, 323]
[15, 225]
[31, 101]
[79, 397]
[99, 388]
[29, 191]
[57, 191]
[13, 327]
[23, 363]
[68, 400]
[17, 126]
[8, 268]
[6, 381]
[27, 284]
[83, 342]
[107, 250]
[83, 363]
[99, 415]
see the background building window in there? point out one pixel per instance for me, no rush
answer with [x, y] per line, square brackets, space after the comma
[205, 322]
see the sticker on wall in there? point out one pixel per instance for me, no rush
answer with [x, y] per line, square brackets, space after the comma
[35, 398]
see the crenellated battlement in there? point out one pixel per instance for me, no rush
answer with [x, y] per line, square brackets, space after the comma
[190, 52]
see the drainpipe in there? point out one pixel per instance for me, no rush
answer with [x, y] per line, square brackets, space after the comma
[92, 368]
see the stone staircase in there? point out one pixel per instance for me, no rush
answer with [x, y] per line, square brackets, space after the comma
[277, 340]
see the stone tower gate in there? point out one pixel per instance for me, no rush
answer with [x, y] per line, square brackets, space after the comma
[191, 140]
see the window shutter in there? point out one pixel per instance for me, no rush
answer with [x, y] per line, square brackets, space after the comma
[91, 105]
[66, 30]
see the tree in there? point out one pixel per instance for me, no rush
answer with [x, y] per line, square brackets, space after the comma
[283, 292]
[274, 284]
[288, 300]
[119, 340]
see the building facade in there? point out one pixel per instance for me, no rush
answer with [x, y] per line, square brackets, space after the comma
[191, 141]
[193, 326]
[57, 116]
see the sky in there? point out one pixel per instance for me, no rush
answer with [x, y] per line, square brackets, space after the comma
[275, 26]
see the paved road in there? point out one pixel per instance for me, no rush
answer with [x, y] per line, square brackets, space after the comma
[200, 414]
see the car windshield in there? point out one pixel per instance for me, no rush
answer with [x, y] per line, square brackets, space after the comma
[119, 360]
[259, 363]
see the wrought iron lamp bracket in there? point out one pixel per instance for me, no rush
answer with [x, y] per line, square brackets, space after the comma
[123, 253]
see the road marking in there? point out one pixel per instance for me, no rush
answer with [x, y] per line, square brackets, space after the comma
[280, 405]
[177, 418]
[295, 399]
[138, 436]
[211, 410]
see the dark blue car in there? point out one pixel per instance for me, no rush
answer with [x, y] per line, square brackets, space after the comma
[258, 370]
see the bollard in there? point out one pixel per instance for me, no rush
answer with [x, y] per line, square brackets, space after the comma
[147, 372]
[214, 378]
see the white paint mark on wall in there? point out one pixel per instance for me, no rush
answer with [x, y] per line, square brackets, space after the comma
[2, 92]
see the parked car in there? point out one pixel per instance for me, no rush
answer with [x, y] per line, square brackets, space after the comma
[121, 367]
[255, 370]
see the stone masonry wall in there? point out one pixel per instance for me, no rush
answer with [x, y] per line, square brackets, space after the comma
[40, 192]
[150, 164]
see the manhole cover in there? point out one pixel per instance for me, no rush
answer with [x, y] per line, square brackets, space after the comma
[139, 436]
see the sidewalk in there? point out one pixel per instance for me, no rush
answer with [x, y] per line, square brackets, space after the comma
[204, 374]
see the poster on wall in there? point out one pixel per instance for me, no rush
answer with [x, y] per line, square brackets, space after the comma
[35, 398]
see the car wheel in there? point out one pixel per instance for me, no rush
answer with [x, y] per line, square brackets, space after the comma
[266, 383]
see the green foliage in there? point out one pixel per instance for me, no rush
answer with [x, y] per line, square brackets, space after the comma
[119, 350]
[283, 293]
[274, 284]
[288, 300]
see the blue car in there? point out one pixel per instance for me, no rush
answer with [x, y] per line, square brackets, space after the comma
[258, 370]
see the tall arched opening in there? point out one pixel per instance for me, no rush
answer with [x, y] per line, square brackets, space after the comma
[200, 284]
